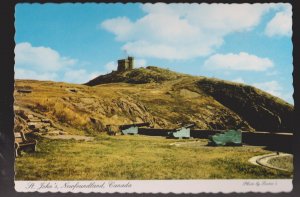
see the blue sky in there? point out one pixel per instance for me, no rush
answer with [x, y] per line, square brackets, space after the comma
[74, 43]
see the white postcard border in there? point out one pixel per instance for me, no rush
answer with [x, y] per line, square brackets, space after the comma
[158, 186]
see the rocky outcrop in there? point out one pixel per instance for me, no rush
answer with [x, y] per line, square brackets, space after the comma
[159, 96]
[32, 123]
[262, 111]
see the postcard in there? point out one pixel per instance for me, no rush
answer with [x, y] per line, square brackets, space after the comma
[153, 98]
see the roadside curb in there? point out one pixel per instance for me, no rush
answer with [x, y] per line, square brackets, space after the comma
[262, 160]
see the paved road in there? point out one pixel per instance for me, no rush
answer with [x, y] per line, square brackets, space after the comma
[262, 160]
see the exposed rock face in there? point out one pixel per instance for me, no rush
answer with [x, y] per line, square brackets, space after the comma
[29, 123]
[261, 110]
[163, 98]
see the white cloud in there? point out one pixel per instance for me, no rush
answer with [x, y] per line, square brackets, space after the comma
[44, 63]
[288, 97]
[281, 23]
[121, 26]
[242, 62]
[79, 76]
[183, 31]
[140, 63]
[110, 66]
[40, 58]
[31, 74]
[238, 80]
[272, 87]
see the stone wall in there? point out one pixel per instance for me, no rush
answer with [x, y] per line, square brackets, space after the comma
[125, 64]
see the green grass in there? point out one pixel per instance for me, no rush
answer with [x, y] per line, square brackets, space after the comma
[284, 162]
[139, 158]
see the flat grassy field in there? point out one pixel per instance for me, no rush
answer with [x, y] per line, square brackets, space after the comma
[140, 158]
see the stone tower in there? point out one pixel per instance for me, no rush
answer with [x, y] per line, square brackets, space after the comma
[130, 63]
[126, 64]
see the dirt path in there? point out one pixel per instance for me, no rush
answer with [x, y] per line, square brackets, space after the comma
[263, 160]
[68, 137]
[189, 143]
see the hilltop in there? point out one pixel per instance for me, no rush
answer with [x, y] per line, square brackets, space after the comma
[137, 76]
[159, 96]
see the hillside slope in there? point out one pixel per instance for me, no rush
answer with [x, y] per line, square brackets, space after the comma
[137, 76]
[260, 109]
[161, 97]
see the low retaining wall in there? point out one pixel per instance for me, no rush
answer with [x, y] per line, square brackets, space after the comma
[164, 132]
[154, 132]
[204, 134]
[273, 141]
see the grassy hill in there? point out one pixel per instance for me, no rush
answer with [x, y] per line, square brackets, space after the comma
[159, 96]
[138, 76]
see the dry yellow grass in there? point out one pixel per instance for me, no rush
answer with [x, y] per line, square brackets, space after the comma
[132, 157]
[139, 158]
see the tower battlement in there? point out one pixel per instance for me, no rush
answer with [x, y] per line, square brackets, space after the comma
[125, 64]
